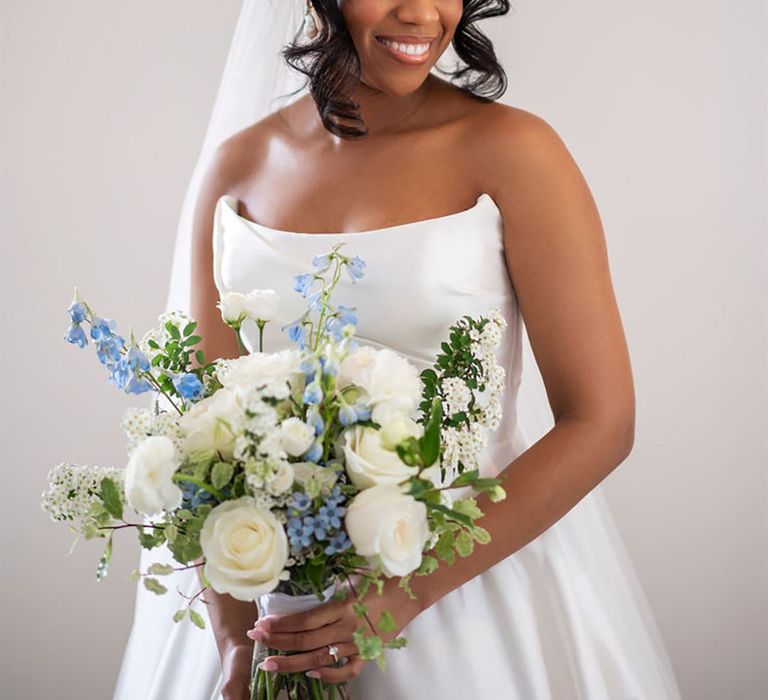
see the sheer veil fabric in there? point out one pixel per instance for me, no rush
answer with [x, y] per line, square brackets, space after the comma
[168, 661]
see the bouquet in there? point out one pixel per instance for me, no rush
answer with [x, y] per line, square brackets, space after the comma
[289, 477]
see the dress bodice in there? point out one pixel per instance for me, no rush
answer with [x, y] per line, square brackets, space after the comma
[420, 278]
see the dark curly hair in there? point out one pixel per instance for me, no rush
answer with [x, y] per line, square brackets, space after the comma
[332, 65]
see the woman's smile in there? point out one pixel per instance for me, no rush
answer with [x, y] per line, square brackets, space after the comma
[407, 50]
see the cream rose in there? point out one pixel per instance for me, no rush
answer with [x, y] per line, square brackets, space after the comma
[246, 372]
[296, 436]
[368, 462]
[282, 479]
[213, 424]
[384, 376]
[388, 526]
[149, 488]
[245, 549]
[258, 304]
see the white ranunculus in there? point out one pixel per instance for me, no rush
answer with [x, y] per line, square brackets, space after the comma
[149, 488]
[368, 462]
[246, 372]
[262, 304]
[296, 436]
[389, 526]
[245, 549]
[307, 471]
[213, 424]
[396, 425]
[282, 479]
[384, 376]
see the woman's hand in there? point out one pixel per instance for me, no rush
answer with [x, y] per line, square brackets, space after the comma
[309, 634]
[236, 672]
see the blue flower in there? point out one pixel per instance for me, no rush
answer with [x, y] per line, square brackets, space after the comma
[136, 359]
[335, 497]
[355, 268]
[347, 315]
[313, 393]
[298, 534]
[137, 385]
[300, 501]
[314, 300]
[303, 283]
[295, 332]
[330, 515]
[338, 543]
[363, 412]
[315, 526]
[77, 311]
[315, 420]
[315, 451]
[76, 335]
[193, 496]
[103, 329]
[188, 385]
[321, 261]
[347, 414]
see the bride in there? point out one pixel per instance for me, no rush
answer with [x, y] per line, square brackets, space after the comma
[457, 203]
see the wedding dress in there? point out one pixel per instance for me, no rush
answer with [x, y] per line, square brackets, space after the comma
[560, 619]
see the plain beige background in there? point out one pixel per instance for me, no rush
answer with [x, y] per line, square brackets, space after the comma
[662, 103]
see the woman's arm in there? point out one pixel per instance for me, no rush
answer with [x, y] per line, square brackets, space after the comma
[229, 617]
[557, 259]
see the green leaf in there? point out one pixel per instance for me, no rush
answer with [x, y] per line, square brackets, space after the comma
[369, 646]
[135, 575]
[430, 441]
[192, 340]
[453, 514]
[152, 584]
[200, 357]
[464, 543]
[221, 474]
[386, 622]
[189, 327]
[359, 609]
[172, 330]
[171, 533]
[428, 565]
[179, 615]
[197, 619]
[396, 643]
[481, 534]
[110, 495]
[466, 478]
[497, 493]
[468, 506]
[159, 569]
[153, 344]
[444, 548]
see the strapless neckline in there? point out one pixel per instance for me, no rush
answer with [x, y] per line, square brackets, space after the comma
[231, 205]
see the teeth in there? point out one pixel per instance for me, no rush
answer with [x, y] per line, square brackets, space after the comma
[408, 49]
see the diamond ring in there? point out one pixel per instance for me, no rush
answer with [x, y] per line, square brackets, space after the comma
[333, 650]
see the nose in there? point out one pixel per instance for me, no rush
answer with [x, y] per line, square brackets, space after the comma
[419, 12]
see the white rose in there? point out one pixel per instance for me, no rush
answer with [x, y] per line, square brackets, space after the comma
[213, 424]
[282, 479]
[296, 436]
[368, 462]
[262, 304]
[387, 524]
[233, 307]
[258, 304]
[384, 375]
[246, 372]
[149, 488]
[245, 549]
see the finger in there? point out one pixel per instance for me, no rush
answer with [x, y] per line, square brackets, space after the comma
[302, 641]
[320, 616]
[298, 663]
[339, 674]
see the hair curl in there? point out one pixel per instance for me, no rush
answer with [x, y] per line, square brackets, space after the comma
[332, 65]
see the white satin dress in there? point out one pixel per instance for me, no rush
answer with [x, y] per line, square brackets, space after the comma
[561, 619]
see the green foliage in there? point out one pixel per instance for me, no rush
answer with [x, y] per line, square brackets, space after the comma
[197, 619]
[110, 496]
[152, 538]
[180, 614]
[221, 474]
[159, 569]
[386, 622]
[152, 584]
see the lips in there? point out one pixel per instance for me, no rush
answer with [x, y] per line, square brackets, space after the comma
[410, 40]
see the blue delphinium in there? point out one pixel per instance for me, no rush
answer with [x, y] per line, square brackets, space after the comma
[76, 335]
[303, 283]
[356, 268]
[188, 385]
[315, 420]
[320, 262]
[347, 414]
[126, 371]
[313, 392]
[296, 333]
[193, 496]
[315, 451]
[77, 312]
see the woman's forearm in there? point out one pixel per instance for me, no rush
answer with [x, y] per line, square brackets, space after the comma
[230, 619]
[542, 485]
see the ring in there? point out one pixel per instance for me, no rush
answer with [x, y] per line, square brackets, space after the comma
[333, 650]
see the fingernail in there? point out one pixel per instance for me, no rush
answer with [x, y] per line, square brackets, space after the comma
[269, 665]
[255, 634]
[263, 622]
[313, 674]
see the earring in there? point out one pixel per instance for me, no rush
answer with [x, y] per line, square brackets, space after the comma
[310, 26]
